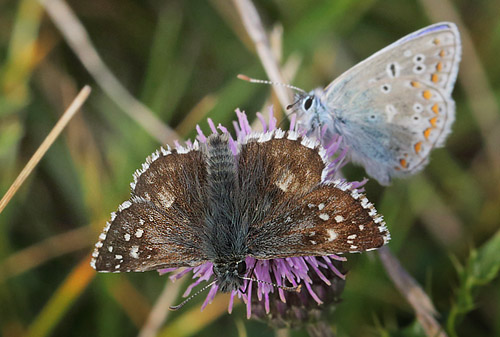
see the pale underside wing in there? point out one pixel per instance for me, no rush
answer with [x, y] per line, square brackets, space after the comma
[395, 107]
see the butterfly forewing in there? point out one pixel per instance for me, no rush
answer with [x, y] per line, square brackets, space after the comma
[161, 225]
[273, 169]
[288, 162]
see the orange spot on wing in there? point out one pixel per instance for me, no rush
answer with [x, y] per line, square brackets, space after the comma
[442, 53]
[427, 94]
[415, 84]
[418, 147]
[403, 163]
[436, 41]
[434, 78]
[433, 121]
[435, 108]
[427, 133]
[439, 66]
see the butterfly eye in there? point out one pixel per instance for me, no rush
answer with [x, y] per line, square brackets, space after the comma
[242, 267]
[307, 103]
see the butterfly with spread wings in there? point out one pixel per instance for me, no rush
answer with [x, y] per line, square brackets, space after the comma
[206, 204]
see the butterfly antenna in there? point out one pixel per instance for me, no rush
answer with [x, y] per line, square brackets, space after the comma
[253, 80]
[178, 306]
[251, 273]
[294, 289]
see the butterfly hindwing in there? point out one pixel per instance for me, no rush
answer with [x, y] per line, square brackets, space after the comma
[331, 219]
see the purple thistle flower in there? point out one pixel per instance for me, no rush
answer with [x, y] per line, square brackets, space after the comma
[299, 309]
[308, 271]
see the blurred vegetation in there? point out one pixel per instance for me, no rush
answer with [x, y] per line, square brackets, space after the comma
[181, 58]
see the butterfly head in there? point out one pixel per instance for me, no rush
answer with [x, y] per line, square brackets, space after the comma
[311, 110]
[229, 275]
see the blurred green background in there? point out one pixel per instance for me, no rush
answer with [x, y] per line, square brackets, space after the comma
[180, 59]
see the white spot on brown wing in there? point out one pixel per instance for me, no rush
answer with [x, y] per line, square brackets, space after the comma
[361, 227]
[265, 137]
[382, 228]
[285, 180]
[165, 152]
[351, 237]
[117, 266]
[139, 232]
[124, 205]
[127, 237]
[321, 206]
[98, 244]
[309, 142]
[387, 238]
[155, 155]
[311, 205]
[182, 149]
[353, 247]
[166, 198]
[332, 235]
[313, 242]
[278, 134]
[339, 218]
[118, 257]
[110, 249]
[102, 236]
[324, 216]
[134, 252]
[292, 135]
